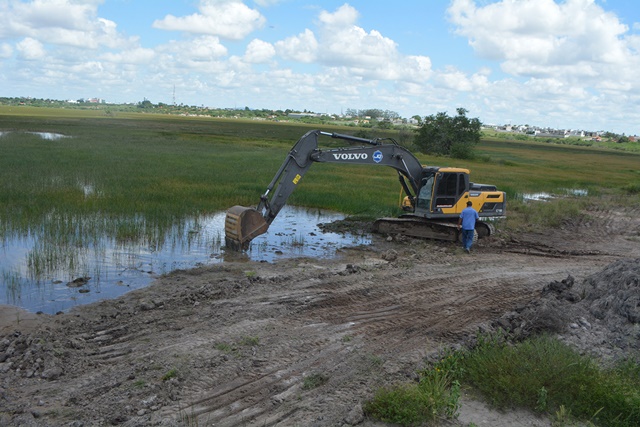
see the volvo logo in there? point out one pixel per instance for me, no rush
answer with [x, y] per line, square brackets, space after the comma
[350, 156]
[377, 156]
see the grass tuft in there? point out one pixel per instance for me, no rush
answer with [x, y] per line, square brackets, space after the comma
[436, 395]
[314, 380]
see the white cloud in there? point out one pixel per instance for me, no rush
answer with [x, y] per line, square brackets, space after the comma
[130, 56]
[30, 49]
[203, 54]
[259, 51]
[344, 43]
[5, 50]
[454, 79]
[341, 43]
[61, 22]
[301, 48]
[541, 34]
[229, 19]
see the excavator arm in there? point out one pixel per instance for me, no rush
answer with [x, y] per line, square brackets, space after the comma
[242, 224]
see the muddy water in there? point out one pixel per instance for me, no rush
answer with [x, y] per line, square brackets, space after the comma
[115, 269]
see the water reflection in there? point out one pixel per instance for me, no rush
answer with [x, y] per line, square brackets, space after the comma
[49, 136]
[543, 197]
[38, 276]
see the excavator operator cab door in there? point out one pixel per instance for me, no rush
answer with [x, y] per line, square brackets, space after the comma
[425, 193]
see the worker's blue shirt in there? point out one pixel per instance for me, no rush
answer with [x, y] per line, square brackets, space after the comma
[469, 217]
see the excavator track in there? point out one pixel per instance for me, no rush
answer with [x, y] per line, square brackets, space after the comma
[417, 227]
[427, 229]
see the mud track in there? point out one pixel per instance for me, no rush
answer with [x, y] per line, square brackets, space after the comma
[299, 342]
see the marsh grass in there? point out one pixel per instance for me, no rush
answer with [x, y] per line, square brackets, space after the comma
[529, 216]
[134, 178]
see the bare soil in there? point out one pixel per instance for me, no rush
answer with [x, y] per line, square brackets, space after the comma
[304, 342]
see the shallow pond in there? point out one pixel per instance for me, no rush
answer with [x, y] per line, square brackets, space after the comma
[115, 269]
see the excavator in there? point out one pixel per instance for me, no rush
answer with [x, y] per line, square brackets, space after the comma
[434, 196]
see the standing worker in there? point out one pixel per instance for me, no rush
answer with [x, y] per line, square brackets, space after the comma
[467, 222]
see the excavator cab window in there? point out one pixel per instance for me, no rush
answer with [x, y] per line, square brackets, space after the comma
[450, 187]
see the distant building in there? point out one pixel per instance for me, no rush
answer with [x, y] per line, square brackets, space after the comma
[301, 115]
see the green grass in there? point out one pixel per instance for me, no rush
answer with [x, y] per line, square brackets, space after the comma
[435, 396]
[163, 168]
[314, 380]
[540, 374]
[543, 374]
[172, 373]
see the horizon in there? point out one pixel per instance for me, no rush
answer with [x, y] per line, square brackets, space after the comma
[100, 101]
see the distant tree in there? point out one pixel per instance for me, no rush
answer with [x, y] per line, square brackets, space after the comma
[390, 115]
[453, 136]
[374, 113]
[385, 124]
[418, 119]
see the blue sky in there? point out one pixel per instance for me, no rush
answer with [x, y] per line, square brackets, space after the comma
[569, 64]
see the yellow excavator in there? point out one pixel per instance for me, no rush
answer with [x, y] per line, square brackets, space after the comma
[435, 196]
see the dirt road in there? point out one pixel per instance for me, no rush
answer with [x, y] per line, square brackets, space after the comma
[299, 342]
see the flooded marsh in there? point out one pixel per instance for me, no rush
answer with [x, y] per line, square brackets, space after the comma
[54, 273]
[92, 207]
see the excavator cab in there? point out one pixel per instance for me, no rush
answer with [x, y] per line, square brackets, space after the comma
[441, 192]
[444, 193]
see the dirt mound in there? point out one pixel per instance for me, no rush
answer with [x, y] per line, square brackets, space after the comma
[600, 316]
[613, 295]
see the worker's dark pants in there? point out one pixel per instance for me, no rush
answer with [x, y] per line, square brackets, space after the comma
[467, 238]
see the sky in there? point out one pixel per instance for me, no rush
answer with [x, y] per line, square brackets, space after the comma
[572, 64]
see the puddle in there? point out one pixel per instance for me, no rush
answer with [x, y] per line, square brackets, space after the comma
[49, 136]
[543, 197]
[115, 269]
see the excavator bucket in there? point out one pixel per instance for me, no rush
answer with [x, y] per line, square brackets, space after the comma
[241, 225]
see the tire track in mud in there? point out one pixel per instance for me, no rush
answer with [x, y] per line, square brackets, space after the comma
[397, 312]
[248, 396]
